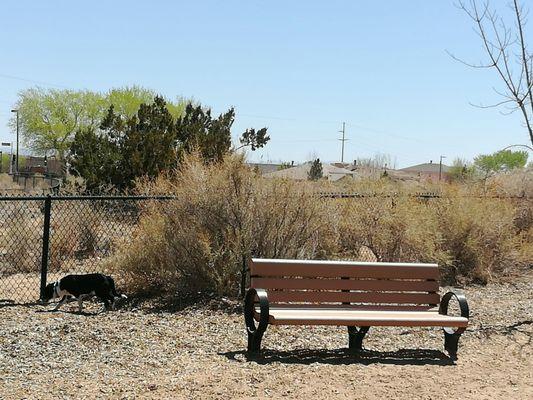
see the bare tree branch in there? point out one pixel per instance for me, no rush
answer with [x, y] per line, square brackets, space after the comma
[508, 55]
[501, 103]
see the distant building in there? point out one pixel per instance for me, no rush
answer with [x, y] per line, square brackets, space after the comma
[428, 172]
[42, 165]
[350, 166]
[300, 172]
[265, 168]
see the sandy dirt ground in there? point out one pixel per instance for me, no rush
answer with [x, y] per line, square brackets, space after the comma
[197, 353]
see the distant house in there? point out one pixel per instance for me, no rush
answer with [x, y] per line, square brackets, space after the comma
[300, 172]
[265, 168]
[350, 166]
[42, 165]
[428, 172]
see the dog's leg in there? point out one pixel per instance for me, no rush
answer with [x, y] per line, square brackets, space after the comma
[63, 301]
[80, 302]
[106, 304]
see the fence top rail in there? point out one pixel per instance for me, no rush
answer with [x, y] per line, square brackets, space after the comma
[22, 198]
[66, 198]
[116, 197]
[170, 197]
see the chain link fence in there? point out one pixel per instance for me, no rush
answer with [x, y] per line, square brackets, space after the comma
[44, 238]
[21, 237]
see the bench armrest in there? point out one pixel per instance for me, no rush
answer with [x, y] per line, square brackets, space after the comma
[249, 309]
[463, 304]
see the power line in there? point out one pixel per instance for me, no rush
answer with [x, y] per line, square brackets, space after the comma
[305, 140]
[362, 127]
[18, 78]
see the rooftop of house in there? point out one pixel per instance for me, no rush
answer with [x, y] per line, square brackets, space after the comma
[346, 165]
[429, 167]
[265, 168]
[300, 172]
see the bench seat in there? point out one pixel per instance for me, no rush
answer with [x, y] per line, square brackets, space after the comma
[354, 317]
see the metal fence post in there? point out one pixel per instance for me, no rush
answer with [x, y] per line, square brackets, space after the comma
[46, 243]
[243, 277]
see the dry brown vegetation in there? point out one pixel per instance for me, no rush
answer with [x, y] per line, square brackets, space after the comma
[222, 214]
[81, 233]
[225, 213]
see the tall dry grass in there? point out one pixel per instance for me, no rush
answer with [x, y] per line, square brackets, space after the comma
[6, 182]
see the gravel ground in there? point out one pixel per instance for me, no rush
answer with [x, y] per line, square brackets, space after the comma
[198, 353]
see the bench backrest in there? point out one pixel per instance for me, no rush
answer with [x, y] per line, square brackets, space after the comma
[364, 285]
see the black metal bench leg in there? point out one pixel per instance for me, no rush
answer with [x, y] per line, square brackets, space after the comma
[254, 341]
[255, 333]
[451, 343]
[451, 337]
[355, 337]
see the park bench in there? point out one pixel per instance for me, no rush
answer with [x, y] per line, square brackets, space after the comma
[353, 294]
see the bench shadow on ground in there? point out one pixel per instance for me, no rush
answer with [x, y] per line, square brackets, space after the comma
[344, 356]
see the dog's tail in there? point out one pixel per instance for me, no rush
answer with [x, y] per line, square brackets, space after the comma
[114, 291]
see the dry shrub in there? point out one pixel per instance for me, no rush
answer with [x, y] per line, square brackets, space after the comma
[393, 228]
[481, 237]
[222, 214]
[472, 239]
[20, 238]
[515, 183]
[74, 232]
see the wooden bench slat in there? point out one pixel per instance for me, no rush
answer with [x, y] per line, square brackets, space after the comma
[352, 297]
[369, 307]
[345, 284]
[304, 268]
[364, 318]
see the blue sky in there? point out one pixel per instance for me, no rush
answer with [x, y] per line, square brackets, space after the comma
[300, 68]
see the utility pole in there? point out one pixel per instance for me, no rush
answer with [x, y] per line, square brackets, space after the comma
[440, 167]
[343, 131]
[17, 165]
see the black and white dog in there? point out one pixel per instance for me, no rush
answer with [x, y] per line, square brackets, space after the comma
[80, 287]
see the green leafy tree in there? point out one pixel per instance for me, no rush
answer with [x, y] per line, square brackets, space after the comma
[501, 161]
[127, 101]
[461, 170]
[315, 172]
[49, 118]
[285, 165]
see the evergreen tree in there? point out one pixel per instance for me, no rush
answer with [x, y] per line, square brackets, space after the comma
[315, 172]
[126, 148]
